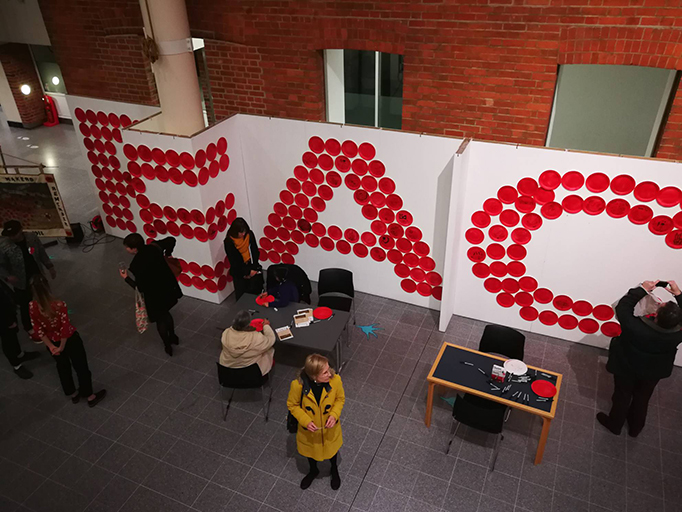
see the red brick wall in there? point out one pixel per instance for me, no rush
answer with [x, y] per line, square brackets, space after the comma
[98, 45]
[17, 62]
[474, 68]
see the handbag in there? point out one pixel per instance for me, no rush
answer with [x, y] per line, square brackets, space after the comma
[174, 265]
[141, 317]
[292, 422]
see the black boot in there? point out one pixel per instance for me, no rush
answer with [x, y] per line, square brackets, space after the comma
[336, 479]
[312, 474]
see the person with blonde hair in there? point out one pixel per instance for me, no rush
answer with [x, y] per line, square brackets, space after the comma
[316, 400]
[50, 319]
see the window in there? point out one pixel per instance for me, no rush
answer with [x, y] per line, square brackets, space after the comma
[48, 69]
[364, 88]
[609, 109]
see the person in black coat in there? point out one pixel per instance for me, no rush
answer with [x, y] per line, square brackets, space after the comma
[643, 354]
[155, 280]
[242, 252]
[8, 334]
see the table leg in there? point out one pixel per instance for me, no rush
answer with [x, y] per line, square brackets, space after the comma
[543, 440]
[429, 404]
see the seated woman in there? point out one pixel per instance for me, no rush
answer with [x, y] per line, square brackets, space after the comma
[243, 346]
[284, 291]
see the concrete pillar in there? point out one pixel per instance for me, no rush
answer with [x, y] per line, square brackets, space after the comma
[19, 70]
[175, 72]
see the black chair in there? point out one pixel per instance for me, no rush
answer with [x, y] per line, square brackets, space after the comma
[480, 414]
[297, 275]
[335, 289]
[244, 378]
[498, 339]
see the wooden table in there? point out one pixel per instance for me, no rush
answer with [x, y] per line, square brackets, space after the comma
[468, 379]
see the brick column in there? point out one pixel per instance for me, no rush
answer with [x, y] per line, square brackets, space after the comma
[17, 62]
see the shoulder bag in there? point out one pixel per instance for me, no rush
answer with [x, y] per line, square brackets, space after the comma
[141, 318]
[292, 422]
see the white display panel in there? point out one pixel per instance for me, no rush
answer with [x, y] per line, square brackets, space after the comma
[595, 258]
[420, 167]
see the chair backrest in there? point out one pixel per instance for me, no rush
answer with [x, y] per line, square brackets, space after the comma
[297, 275]
[502, 340]
[240, 378]
[335, 280]
[479, 413]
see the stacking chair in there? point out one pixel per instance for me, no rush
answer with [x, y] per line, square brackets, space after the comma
[244, 378]
[498, 339]
[297, 276]
[480, 414]
[335, 289]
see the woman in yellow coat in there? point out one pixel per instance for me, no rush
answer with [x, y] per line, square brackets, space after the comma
[316, 399]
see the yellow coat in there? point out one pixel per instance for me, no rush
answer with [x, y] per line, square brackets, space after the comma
[324, 443]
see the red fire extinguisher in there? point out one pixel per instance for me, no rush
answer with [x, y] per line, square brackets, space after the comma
[51, 111]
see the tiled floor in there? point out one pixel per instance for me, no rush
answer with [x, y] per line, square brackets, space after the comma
[158, 442]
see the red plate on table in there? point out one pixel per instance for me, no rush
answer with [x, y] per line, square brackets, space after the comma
[322, 313]
[257, 323]
[543, 388]
[263, 300]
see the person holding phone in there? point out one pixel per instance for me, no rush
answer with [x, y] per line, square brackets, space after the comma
[642, 355]
[316, 399]
[241, 248]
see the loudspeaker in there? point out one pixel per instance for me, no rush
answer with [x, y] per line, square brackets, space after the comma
[78, 235]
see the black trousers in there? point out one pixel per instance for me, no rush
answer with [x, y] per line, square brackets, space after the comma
[333, 460]
[630, 403]
[10, 345]
[23, 298]
[74, 355]
[166, 327]
[252, 285]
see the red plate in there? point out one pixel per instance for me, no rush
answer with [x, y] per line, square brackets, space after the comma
[395, 257]
[551, 210]
[582, 308]
[597, 182]
[322, 313]
[497, 233]
[495, 251]
[263, 300]
[377, 168]
[640, 214]
[524, 299]
[594, 205]
[568, 322]
[529, 313]
[549, 180]
[646, 191]
[377, 199]
[316, 144]
[572, 204]
[408, 285]
[516, 268]
[492, 284]
[543, 196]
[588, 326]
[531, 221]
[661, 225]
[387, 185]
[349, 148]
[527, 186]
[573, 180]
[548, 317]
[359, 167]
[603, 312]
[367, 151]
[516, 252]
[521, 236]
[492, 206]
[505, 300]
[622, 184]
[309, 159]
[480, 219]
[611, 329]
[404, 218]
[476, 254]
[481, 270]
[394, 202]
[509, 218]
[543, 388]
[510, 285]
[474, 235]
[507, 194]
[528, 284]
[378, 254]
[617, 208]
[562, 302]
[524, 204]
[369, 183]
[360, 250]
[332, 146]
[498, 269]
[669, 196]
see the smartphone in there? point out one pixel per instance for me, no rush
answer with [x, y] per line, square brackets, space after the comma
[662, 284]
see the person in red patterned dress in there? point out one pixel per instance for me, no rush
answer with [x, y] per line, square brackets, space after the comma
[51, 323]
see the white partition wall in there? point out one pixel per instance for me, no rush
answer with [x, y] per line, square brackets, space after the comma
[552, 238]
[371, 201]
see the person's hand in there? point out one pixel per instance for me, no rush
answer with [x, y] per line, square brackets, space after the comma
[266, 322]
[53, 272]
[13, 326]
[674, 289]
[312, 427]
[13, 280]
[331, 421]
[124, 273]
[649, 285]
[55, 350]
[253, 273]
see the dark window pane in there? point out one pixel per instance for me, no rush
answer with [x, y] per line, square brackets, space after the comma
[391, 87]
[359, 85]
[48, 69]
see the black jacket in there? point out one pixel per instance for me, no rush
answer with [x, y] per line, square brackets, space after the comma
[8, 308]
[239, 267]
[154, 278]
[643, 350]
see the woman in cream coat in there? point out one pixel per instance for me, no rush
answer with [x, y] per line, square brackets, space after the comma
[316, 399]
[243, 346]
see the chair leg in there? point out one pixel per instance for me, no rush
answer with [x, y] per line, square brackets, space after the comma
[222, 399]
[506, 416]
[354, 312]
[447, 450]
[496, 450]
[266, 405]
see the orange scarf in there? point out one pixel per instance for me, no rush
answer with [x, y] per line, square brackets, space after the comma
[242, 245]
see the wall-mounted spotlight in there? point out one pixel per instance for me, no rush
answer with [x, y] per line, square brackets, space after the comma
[55, 80]
[25, 89]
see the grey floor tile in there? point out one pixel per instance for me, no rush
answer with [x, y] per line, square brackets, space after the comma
[460, 499]
[429, 489]
[117, 492]
[138, 467]
[194, 459]
[534, 498]
[146, 500]
[213, 499]
[52, 497]
[284, 495]
[175, 483]
[608, 495]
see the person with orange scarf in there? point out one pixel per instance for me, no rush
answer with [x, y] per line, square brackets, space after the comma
[242, 252]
